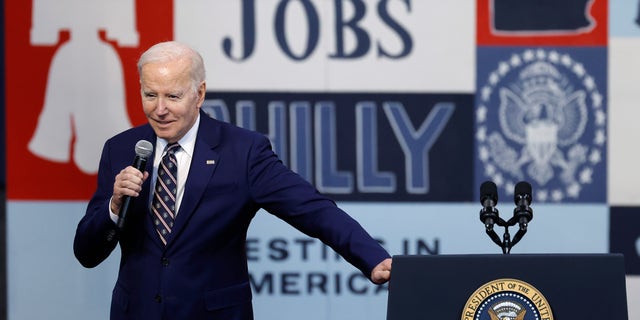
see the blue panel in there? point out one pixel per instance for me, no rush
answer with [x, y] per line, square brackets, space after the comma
[540, 15]
[625, 236]
[45, 281]
[366, 146]
[293, 272]
[541, 117]
[624, 18]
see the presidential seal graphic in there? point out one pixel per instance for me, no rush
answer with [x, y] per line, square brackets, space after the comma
[540, 117]
[507, 299]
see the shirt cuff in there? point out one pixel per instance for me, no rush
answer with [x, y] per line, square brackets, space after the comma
[114, 217]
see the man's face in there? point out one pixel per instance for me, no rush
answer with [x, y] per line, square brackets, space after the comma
[168, 98]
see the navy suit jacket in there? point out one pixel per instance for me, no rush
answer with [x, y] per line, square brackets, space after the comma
[202, 271]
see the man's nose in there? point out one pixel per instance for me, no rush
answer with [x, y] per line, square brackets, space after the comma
[161, 107]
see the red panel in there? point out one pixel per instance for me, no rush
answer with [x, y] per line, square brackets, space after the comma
[28, 176]
[596, 36]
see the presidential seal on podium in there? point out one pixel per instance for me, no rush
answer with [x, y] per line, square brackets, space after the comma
[507, 299]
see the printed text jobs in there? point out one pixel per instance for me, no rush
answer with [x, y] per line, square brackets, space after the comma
[346, 26]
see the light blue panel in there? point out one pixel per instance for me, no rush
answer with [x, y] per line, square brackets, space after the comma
[303, 261]
[45, 281]
[404, 228]
[42, 268]
[622, 17]
[555, 228]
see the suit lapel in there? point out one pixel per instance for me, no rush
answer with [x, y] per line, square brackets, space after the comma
[203, 165]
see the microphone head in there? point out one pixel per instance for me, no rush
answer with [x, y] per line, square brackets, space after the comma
[144, 149]
[488, 191]
[522, 190]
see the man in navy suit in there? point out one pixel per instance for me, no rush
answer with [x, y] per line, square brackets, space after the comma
[183, 251]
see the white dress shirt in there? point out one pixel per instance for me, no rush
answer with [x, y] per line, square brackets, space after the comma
[183, 156]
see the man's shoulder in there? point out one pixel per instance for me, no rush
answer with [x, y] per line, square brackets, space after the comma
[126, 140]
[135, 133]
[227, 130]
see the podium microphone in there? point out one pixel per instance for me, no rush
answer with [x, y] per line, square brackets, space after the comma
[522, 198]
[143, 150]
[489, 200]
[489, 214]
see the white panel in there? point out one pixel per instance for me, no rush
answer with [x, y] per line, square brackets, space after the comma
[442, 58]
[624, 112]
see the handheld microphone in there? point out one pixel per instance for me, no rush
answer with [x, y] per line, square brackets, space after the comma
[143, 150]
[489, 200]
[523, 198]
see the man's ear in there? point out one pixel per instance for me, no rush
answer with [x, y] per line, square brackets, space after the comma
[202, 90]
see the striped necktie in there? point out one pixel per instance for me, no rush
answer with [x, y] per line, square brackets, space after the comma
[163, 204]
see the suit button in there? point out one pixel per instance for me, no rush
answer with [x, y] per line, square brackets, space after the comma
[157, 298]
[165, 261]
[111, 235]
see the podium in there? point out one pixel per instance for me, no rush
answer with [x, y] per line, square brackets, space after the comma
[575, 286]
